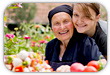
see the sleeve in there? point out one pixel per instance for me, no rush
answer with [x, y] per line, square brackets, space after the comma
[91, 50]
[47, 52]
[103, 44]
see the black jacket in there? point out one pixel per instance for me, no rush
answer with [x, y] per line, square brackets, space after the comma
[101, 39]
[80, 48]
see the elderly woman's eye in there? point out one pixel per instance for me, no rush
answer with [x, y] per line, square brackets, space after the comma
[66, 21]
[57, 23]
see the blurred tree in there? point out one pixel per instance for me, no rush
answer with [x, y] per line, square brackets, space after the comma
[26, 14]
[103, 13]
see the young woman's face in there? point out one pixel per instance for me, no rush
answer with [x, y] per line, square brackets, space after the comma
[82, 23]
[62, 26]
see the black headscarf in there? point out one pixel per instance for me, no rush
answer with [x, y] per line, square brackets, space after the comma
[63, 8]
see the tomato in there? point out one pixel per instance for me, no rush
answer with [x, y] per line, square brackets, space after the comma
[19, 69]
[90, 69]
[77, 67]
[47, 61]
[94, 64]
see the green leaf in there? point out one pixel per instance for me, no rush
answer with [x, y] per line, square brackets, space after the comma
[5, 18]
[13, 7]
[9, 60]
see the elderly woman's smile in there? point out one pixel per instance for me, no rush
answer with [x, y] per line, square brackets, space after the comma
[62, 26]
[63, 32]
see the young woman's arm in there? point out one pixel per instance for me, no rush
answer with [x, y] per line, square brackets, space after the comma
[91, 50]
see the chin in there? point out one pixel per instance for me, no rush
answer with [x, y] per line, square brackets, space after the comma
[63, 39]
[80, 31]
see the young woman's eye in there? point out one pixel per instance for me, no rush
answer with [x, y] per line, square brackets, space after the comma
[87, 18]
[75, 15]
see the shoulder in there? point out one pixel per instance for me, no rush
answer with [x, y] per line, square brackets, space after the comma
[84, 41]
[83, 38]
[101, 28]
[99, 34]
[49, 49]
[89, 41]
[50, 45]
[52, 42]
[103, 25]
[79, 36]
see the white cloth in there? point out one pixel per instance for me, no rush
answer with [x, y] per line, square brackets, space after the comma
[60, 58]
[103, 25]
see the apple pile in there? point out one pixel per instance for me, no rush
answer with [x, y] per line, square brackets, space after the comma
[27, 62]
[92, 66]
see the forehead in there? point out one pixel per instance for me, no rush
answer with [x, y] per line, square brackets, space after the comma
[77, 7]
[60, 15]
[83, 9]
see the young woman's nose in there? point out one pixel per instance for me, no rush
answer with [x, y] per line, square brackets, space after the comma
[80, 20]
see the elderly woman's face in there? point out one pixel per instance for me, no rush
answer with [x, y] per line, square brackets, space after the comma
[62, 26]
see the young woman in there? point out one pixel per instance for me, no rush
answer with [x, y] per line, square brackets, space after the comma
[85, 19]
[69, 46]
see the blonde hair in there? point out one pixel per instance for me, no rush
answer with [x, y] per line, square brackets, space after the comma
[85, 8]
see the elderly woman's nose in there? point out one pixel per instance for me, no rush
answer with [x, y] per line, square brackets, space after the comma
[62, 26]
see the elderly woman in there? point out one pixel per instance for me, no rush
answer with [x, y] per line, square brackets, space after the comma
[68, 46]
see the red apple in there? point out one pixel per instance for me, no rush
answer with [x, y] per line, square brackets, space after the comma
[90, 69]
[77, 67]
[94, 64]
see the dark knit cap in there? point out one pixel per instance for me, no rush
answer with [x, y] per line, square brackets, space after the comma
[63, 8]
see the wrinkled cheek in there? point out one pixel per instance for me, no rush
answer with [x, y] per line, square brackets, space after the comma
[55, 30]
[71, 26]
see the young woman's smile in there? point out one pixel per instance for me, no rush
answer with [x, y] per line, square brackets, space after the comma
[82, 22]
